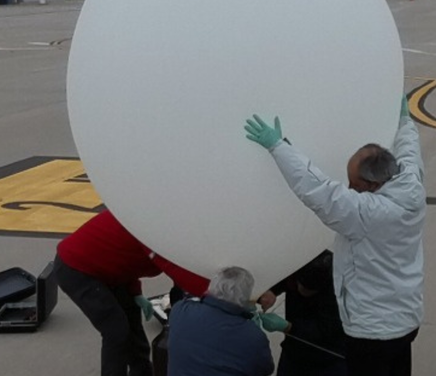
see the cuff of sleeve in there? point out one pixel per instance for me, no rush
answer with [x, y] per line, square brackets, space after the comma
[288, 328]
[277, 289]
[405, 118]
[277, 144]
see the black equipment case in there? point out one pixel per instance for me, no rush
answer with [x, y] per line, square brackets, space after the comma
[27, 316]
[16, 284]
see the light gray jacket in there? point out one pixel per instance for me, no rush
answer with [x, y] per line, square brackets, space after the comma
[378, 254]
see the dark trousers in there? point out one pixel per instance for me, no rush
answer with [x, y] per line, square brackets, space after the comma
[290, 366]
[113, 312]
[380, 358]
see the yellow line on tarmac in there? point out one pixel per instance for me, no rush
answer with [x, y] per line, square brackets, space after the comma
[417, 100]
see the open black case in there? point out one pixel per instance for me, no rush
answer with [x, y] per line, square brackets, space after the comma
[27, 316]
[16, 284]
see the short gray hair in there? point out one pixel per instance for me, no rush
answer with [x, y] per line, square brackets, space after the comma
[379, 166]
[232, 284]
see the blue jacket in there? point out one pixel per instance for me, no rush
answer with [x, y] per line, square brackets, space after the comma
[212, 337]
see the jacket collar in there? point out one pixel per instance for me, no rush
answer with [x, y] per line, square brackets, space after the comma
[228, 307]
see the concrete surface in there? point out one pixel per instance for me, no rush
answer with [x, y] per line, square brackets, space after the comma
[34, 46]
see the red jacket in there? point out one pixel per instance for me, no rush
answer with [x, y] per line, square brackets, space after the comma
[104, 249]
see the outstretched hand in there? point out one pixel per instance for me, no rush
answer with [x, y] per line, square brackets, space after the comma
[262, 133]
[145, 305]
[267, 300]
[274, 323]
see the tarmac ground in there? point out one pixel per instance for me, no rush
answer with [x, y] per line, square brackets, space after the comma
[37, 154]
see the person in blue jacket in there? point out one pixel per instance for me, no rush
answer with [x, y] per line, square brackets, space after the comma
[378, 252]
[216, 336]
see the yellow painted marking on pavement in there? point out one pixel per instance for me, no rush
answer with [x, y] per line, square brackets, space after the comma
[417, 101]
[51, 197]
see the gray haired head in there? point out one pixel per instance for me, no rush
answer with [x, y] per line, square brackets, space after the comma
[232, 284]
[378, 166]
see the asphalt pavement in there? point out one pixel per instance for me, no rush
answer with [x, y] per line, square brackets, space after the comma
[35, 135]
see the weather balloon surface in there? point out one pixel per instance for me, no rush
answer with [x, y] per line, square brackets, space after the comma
[158, 94]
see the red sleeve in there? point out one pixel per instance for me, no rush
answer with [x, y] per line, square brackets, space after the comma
[190, 282]
[153, 270]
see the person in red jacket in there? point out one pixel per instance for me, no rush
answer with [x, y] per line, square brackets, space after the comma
[99, 267]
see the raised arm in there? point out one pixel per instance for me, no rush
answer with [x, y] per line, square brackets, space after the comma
[406, 147]
[334, 204]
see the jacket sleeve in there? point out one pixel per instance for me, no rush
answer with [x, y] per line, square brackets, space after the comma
[335, 205]
[284, 285]
[135, 287]
[406, 147]
[190, 282]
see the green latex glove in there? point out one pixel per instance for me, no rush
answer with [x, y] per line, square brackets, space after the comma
[404, 107]
[145, 305]
[262, 133]
[272, 322]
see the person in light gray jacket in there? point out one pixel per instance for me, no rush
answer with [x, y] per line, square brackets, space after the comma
[378, 253]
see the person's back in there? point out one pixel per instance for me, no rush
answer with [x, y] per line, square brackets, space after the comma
[215, 337]
[382, 279]
[103, 248]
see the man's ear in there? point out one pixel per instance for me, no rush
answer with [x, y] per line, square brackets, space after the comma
[372, 186]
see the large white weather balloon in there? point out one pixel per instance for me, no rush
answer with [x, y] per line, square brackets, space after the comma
[158, 94]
